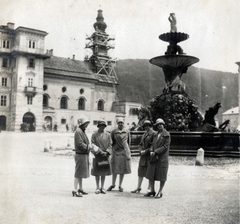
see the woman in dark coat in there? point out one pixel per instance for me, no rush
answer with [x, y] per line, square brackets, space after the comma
[144, 150]
[103, 142]
[158, 163]
[121, 155]
[81, 157]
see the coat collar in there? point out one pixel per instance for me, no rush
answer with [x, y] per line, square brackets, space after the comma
[164, 133]
[121, 131]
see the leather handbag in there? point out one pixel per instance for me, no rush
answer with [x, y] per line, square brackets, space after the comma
[103, 163]
[153, 159]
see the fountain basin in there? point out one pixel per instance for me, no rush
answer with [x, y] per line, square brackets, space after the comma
[174, 37]
[215, 144]
[174, 61]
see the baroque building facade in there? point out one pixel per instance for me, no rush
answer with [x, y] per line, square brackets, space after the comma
[45, 92]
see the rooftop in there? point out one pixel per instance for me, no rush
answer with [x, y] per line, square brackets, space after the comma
[231, 111]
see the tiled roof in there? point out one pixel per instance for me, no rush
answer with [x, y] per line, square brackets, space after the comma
[231, 111]
[73, 68]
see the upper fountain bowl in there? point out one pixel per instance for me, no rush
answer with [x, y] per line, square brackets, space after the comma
[174, 61]
[175, 37]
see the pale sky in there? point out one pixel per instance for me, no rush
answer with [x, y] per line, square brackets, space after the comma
[213, 27]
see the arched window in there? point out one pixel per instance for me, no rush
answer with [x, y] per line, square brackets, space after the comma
[81, 104]
[101, 105]
[63, 103]
[45, 101]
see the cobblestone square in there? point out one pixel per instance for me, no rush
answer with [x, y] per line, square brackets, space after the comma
[36, 188]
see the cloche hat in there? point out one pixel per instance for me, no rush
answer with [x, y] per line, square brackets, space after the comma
[101, 122]
[159, 121]
[120, 119]
[82, 120]
[147, 123]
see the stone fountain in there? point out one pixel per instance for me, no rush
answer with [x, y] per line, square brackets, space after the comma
[174, 105]
[189, 131]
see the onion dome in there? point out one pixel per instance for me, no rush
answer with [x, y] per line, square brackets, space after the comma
[100, 24]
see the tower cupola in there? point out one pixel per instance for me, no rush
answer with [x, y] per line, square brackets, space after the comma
[100, 24]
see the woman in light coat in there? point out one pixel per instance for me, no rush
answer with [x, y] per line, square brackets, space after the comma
[103, 142]
[81, 157]
[159, 153]
[144, 150]
[121, 155]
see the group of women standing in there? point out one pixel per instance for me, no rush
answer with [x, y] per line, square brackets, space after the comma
[112, 156]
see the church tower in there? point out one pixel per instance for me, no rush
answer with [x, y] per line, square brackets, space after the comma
[99, 43]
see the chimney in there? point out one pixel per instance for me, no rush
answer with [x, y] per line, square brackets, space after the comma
[51, 52]
[74, 57]
[10, 25]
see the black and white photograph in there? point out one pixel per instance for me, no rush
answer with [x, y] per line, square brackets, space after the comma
[119, 111]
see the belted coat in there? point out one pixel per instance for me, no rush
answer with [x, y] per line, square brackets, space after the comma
[121, 155]
[144, 146]
[81, 157]
[161, 144]
[104, 142]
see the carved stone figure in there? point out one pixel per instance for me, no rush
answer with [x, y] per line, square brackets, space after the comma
[143, 114]
[173, 22]
[209, 124]
[173, 48]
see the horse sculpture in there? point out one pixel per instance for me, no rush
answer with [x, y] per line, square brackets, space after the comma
[209, 124]
[143, 114]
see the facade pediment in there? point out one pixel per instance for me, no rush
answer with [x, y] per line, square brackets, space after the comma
[31, 73]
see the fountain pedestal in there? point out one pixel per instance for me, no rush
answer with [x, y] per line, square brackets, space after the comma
[178, 110]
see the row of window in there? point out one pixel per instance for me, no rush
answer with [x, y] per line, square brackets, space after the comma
[4, 81]
[6, 44]
[6, 62]
[64, 121]
[31, 44]
[81, 103]
[3, 101]
[64, 89]
[63, 102]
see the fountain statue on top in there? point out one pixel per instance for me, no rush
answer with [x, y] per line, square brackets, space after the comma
[174, 105]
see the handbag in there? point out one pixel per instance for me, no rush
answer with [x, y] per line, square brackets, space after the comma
[153, 159]
[103, 163]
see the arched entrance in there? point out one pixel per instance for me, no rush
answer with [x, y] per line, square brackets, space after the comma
[47, 126]
[3, 121]
[29, 121]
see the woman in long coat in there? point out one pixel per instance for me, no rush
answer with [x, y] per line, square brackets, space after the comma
[103, 142]
[158, 163]
[121, 155]
[144, 150]
[81, 157]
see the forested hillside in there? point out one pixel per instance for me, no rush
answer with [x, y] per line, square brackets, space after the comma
[140, 81]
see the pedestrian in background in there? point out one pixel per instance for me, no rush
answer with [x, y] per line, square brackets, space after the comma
[82, 149]
[121, 155]
[158, 162]
[144, 150]
[101, 163]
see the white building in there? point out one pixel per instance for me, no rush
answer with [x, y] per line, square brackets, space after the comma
[232, 115]
[41, 90]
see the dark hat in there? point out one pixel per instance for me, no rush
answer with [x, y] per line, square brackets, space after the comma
[101, 122]
[147, 123]
[159, 121]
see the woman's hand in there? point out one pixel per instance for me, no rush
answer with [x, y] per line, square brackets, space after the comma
[152, 154]
[105, 154]
[142, 152]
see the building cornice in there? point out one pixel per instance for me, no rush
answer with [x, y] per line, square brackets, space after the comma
[42, 56]
[30, 30]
